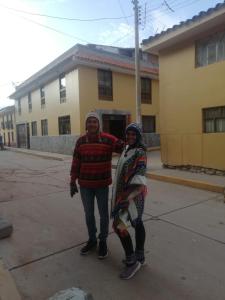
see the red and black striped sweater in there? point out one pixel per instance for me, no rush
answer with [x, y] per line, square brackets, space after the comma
[92, 159]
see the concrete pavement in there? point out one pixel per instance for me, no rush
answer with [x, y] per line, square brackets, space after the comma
[185, 246]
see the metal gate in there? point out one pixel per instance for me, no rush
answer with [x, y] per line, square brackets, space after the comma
[21, 131]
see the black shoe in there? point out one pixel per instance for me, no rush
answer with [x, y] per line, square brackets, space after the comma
[140, 256]
[91, 245]
[102, 250]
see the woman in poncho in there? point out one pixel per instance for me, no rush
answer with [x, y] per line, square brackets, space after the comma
[129, 191]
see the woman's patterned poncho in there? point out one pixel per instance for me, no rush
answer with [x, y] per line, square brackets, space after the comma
[130, 183]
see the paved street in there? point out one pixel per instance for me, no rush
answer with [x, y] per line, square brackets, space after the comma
[185, 247]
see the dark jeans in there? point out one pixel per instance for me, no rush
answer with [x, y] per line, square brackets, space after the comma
[88, 198]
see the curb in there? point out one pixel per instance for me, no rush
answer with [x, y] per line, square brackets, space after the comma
[188, 182]
[8, 289]
[44, 155]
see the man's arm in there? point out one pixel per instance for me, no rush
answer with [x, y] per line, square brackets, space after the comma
[118, 145]
[75, 166]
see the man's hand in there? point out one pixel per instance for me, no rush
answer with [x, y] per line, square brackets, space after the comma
[73, 189]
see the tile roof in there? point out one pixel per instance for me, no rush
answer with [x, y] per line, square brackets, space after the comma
[87, 55]
[115, 61]
[194, 19]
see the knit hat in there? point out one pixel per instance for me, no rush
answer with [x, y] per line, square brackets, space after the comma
[134, 127]
[93, 114]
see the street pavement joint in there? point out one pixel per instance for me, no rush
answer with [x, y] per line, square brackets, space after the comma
[45, 257]
[155, 218]
[193, 231]
[181, 208]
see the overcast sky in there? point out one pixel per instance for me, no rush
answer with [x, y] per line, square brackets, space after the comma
[30, 41]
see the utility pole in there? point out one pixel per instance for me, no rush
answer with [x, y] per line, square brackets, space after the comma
[137, 63]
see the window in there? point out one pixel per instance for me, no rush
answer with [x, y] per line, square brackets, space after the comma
[105, 91]
[210, 50]
[12, 134]
[34, 128]
[42, 94]
[62, 88]
[29, 102]
[3, 122]
[11, 121]
[7, 122]
[44, 127]
[64, 125]
[146, 90]
[214, 119]
[148, 124]
[19, 107]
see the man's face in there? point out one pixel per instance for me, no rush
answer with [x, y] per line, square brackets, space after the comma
[92, 125]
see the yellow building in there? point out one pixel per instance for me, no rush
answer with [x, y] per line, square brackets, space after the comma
[55, 100]
[7, 125]
[192, 90]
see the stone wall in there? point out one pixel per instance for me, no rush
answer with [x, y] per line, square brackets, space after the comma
[151, 139]
[63, 144]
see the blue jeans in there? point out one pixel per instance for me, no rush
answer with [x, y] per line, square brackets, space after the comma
[88, 198]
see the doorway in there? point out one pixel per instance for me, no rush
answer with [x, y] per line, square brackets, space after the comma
[114, 124]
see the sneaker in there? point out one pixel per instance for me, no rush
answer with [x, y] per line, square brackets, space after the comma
[102, 250]
[130, 270]
[90, 245]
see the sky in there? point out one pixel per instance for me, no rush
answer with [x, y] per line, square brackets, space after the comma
[34, 32]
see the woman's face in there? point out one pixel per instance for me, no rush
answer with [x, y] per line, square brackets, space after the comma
[131, 137]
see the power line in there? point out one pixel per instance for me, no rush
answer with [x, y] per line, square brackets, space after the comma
[64, 33]
[160, 11]
[65, 18]
[121, 38]
[168, 6]
[172, 3]
[122, 10]
[53, 29]
[179, 5]
[175, 6]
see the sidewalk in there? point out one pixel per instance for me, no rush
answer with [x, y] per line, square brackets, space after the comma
[213, 183]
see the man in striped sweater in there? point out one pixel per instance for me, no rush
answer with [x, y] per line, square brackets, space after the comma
[91, 166]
